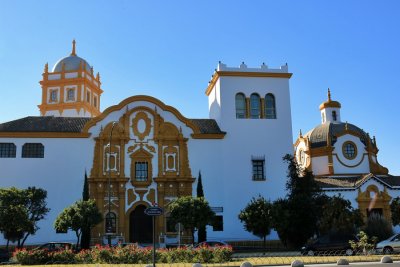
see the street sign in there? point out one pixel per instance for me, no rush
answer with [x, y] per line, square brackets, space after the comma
[154, 211]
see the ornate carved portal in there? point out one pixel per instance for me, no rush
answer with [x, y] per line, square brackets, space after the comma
[147, 162]
[374, 201]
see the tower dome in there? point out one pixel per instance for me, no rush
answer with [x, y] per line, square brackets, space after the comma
[71, 89]
[71, 62]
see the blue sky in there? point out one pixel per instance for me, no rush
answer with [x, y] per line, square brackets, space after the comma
[169, 49]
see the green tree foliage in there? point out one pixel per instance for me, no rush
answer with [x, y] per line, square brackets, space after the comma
[202, 231]
[338, 216]
[21, 209]
[299, 208]
[378, 227]
[395, 208]
[256, 217]
[85, 238]
[80, 215]
[191, 212]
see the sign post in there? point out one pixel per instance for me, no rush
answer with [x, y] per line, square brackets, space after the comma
[154, 211]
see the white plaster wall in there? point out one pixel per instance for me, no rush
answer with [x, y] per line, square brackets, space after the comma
[245, 138]
[71, 75]
[329, 117]
[359, 164]
[214, 103]
[55, 113]
[54, 76]
[60, 172]
[320, 165]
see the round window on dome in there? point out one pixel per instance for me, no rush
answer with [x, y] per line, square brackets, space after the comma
[349, 150]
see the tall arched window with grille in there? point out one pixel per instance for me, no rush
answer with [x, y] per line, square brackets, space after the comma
[111, 223]
[255, 106]
[270, 110]
[240, 103]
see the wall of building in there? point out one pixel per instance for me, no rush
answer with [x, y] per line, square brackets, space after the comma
[60, 173]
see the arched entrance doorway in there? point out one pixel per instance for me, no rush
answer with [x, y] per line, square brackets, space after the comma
[140, 226]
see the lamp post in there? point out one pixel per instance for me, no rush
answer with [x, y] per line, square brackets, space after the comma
[108, 217]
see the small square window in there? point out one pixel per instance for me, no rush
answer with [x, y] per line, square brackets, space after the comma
[258, 170]
[95, 101]
[88, 97]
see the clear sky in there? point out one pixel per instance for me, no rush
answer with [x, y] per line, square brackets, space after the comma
[169, 50]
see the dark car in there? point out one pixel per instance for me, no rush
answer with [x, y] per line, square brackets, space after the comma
[330, 245]
[4, 255]
[57, 246]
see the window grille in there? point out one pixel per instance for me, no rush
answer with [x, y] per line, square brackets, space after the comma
[7, 150]
[33, 150]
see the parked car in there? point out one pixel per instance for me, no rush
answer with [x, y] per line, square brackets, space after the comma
[389, 246]
[211, 244]
[330, 245]
[4, 255]
[56, 246]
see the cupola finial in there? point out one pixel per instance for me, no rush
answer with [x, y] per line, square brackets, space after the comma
[329, 94]
[73, 53]
[300, 134]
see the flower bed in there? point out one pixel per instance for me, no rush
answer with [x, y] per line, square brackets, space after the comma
[125, 255]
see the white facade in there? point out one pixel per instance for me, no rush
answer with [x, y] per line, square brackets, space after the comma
[224, 152]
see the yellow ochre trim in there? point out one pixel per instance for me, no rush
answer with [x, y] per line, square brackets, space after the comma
[43, 135]
[138, 98]
[218, 74]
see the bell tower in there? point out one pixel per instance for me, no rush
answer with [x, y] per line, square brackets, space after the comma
[70, 89]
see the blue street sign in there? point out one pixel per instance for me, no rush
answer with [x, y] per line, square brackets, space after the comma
[154, 211]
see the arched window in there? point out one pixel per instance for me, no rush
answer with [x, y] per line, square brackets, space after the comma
[240, 103]
[111, 223]
[255, 106]
[270, 110]
[334, 116]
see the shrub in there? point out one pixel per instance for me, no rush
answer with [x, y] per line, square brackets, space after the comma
[124, 255]
[32, 257]
[379, 227]
[62, 256]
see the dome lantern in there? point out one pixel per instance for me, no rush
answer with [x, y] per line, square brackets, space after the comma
[330, 110]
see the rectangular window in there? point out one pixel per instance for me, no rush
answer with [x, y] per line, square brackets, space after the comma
[88, 97]
[53, 95]
[218, 223]
[95, 101]
[258, 170]
[71, 95]
[141, 171]
[33, 150]
[8, 150]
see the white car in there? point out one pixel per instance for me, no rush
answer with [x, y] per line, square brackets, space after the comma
[390, 245]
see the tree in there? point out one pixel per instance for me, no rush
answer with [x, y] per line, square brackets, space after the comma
[21, 209]
[80, 215]
[191, 212]
[395, 208]
[85, 239]
[377, 226]
[299, 208]
[256, 217]
[202, 232]
[338, 216]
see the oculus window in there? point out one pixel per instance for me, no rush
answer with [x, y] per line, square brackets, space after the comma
[349, 150]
